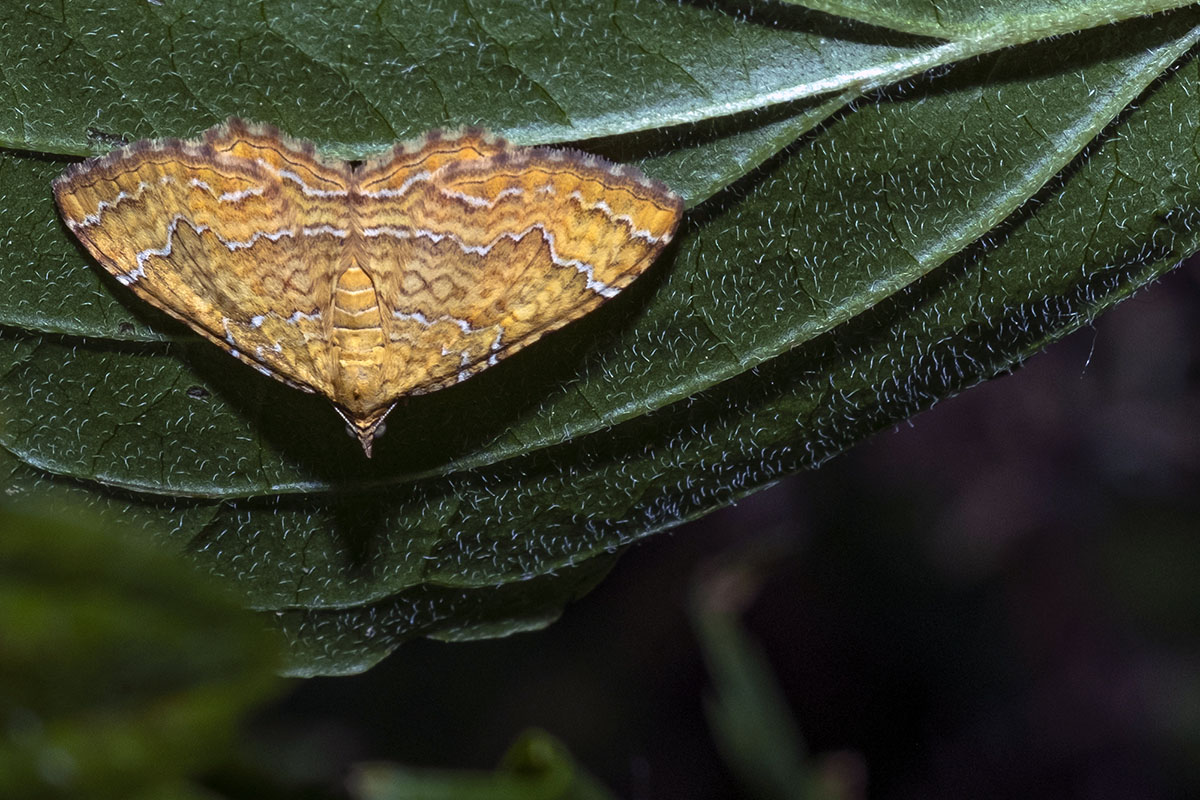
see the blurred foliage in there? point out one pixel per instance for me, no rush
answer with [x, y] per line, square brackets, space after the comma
[747, 710]
[537, 767]
[121, 671]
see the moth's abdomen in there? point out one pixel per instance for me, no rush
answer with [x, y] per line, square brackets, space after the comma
[357, 328]
[357, 339]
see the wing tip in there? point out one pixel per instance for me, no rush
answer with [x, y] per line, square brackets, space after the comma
[199, 147]
[518, 156]
[627, 172]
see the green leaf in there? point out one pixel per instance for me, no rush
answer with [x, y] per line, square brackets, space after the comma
[77, 74]
[797, 255]
[1023, 20]
[916, 241]
[536, 767]
[534, 73]
[121, 670]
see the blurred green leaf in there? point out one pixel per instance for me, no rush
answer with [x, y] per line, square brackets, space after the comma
[121, 670]
[537, 767]
[907, 244]
[747, 711]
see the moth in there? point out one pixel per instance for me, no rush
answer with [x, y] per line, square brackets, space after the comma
[366, 282]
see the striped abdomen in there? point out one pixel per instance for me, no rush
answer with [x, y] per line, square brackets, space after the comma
[357, 335]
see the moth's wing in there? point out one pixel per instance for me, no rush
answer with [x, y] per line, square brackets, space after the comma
[388, 176]
[238, 235]
[485, 255]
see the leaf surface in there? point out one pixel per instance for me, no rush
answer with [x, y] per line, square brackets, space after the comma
[83, 73]
[804, 249]
[973, 19]
[906, 245]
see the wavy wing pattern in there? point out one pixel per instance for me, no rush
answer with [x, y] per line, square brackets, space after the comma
[407, 274]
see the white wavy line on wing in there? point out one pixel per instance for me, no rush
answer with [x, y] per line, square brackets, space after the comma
[287, 174]
[423, 175]
[482, 202]
[104, 205]
[426, 322]
[165, 250]
[625, 219]
[587, 270]
[239, 195]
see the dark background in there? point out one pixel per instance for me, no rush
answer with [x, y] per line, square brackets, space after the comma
[999, 598]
